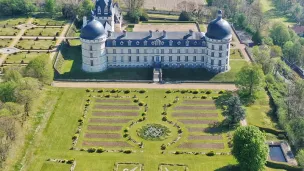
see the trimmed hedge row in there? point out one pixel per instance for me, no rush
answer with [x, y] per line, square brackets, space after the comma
[277, 165]
[270, 130]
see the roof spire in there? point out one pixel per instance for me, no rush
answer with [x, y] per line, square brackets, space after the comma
[219, 14]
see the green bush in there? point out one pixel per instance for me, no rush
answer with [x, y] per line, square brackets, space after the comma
[127, 151]
[142, 91]
[100, 150]
[75, 137]
[210, 153]
[127, 91]
[144, 114]
[88, 90]
[92, 150]
[178, 152]
[135, 100]
[141, 103]
[100, 91]
[108, 95]
[164, 118]
[126, 129]
[163, 147]
[125, 135]
[183, 91]
[215, 97]
[114, 91]
[221, 92]
[208, 92]
[184, 16]
[168, 91]
[169, 105]
[277, 165]
[204, 97]
[195, 92]
[81, 120]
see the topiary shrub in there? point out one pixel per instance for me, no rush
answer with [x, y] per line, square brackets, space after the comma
[142, 91]
[178, 152]
[210, 153]
[204, 97]
[164, 118]
[75, 137]
[100, 150]
[195, 92]
[126, 129]
[108, 95]
[183, 91]
[144, 114]
[127, 91]
[81, 120]
[221, 92]
[163, 147]
[184, 16]
[100, 91]
[215, 97]
[141, 103]
[208, 92]
[169, 105]
[114, 91]
[88, 90]
[125, 135]
[127, 151]
[135, 100]
[168, 91]
[92, 150]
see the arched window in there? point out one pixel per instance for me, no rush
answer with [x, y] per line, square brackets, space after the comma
[98, 10]
[106, 10]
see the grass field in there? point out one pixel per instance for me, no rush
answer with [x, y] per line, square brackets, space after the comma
[4, 42]
[49, 22]
[35, 44]
[24, 57]
[8, 31]
[12, 21]
[51, 32]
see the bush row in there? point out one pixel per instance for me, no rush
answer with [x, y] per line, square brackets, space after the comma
[277, 165]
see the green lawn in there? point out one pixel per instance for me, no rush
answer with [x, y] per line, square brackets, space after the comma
[74, 32]
[236, 54]
[11, 21]
[24, 57]
[203, 27]
[35, 44]
[202, 74]
[8, 31]
[51, 166]
[4, 42]
[59, 21]
[43, 32]
[56, 139]
[162, 17]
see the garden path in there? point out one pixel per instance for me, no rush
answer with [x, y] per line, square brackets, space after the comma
[213, 86]
[239, 45]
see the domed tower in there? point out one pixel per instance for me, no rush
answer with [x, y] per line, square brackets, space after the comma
[93, 38]
[218, 39]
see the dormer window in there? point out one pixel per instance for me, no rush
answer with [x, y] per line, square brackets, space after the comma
[98, 10]
[129, 43]
[170, 42]
[106, 10]
[145, 42]
[187, 43]
[114, 43]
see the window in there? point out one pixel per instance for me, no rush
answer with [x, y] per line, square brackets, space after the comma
[178, 59]
[220, 55]
[221, 47]
[203, 51]
[145, 51]
[114, 51]
[170, 51]
[157, 50]
[121, 51]
[162, 58]
[203, 59]
[194, 58]
[170, 58]
[212, 47]
[186, 58]
[195, 51]
[121, 59]
[212, 54]
[226, 61]
[152, 58]
[220, 63]
[91, 55]
[137, 51]
[129, 51]
[107, 59]
[91, 48]
[212, 62]
[114, 58]
[162, 51]
[187, 51]
[178, 50]
[137, 58]
[92, 63]
[130, 58]
[145, 59]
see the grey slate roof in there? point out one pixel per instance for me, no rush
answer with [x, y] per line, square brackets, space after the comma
[93, 30]
[155, 35]
[219, 29]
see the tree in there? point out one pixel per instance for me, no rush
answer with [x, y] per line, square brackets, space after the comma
[12, 75]
[250, 148]
[41, 69]
[279, 34]
[184, 16]
[13, 108]
[250, 79]
[296, 132]
[276, 51]
[268, 41]
[257, 37]
[300, 157]
[209, 2]
[261, 56]
[85, 8]
[7, 91]
[50, 7]
[234, 112]
[133, 5]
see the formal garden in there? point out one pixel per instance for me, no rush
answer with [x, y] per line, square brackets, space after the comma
[24, 57]
[45, 32]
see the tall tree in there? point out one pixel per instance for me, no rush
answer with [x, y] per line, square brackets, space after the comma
[50, 7]
[134, 5]
[250, 148]
[250, 79]
[279, 34]
[234, 112]
[85, 8]
[40, 68]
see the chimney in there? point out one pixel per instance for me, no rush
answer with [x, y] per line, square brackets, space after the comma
[164, 33]
[150, 33]
[219, 14]
[85, 22]
[124, 33]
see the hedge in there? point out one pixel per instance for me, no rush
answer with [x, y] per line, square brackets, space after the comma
[277, 165]
[270, 130]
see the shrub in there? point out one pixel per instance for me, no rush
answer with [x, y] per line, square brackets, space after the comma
[126, 129]
[70, 161]
[208, 92]
[204, 97]
[125, 135]
[92, 150]
[215, 97]
[210, 153]
[141, 103]
[88, 90]
[135, 100]
[108, 95]
[164, 118]
[169, 105]
[75, 137]
[281, 136]
[100, 150]
[163, 147]
[178, 152]
[184, 16]
[127, 151]
[221, 92]
[168, 91]
[180, 131]
[81, 119]
[195, 92]
[100, 91]
[183, 91]
[144, 114]
[127, 91]
[142, 91]
[37, 38]
[57, 34]
[114, 91]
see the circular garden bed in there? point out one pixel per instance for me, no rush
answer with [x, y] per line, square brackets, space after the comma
[154, 132]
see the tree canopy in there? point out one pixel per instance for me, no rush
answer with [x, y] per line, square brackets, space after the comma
[250, 148]
[234, 112]
[41, 69]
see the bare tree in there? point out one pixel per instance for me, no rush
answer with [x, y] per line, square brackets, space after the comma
[133, 5]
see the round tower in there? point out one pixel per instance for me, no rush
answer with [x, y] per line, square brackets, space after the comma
[93, 38]
[218, 39]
